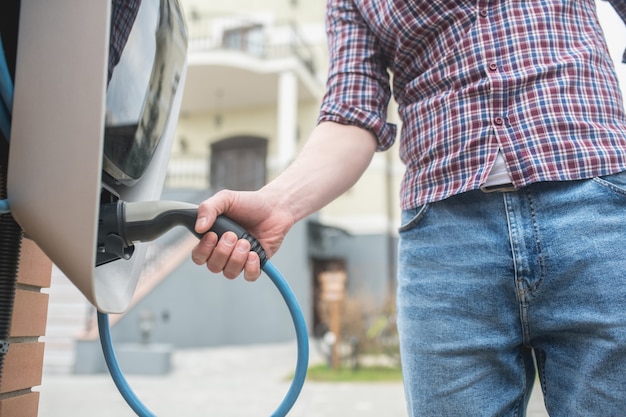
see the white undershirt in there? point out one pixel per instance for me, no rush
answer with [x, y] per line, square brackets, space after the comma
[499, 174]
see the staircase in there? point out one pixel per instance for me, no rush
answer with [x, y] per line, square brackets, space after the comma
[68, 316]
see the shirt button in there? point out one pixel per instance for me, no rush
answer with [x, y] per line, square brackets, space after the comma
[483, 13]
[498, 121]
[493, 67]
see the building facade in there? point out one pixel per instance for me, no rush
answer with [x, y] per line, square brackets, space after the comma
[255, 81]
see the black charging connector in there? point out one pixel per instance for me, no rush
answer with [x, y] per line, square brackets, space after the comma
[111, 244]
[122, 224]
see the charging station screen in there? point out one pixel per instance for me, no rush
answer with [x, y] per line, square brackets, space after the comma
[142, 84]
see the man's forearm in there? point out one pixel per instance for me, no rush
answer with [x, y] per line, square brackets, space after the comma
[333, 159]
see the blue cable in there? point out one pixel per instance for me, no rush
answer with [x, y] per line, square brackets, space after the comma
[5, 123]
[114, 369]
[6, 95]
[301, 338]
[6, 100]
[4, 207]
[6, 86]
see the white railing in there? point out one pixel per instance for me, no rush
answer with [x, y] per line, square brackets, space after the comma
[250, 36]
[188, 172]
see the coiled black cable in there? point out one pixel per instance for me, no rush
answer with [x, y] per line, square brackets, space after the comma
[10, 231]
[10, 249]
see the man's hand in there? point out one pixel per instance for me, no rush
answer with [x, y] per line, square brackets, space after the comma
[331, 162]
[256, 212]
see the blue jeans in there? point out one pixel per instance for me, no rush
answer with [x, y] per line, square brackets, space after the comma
[494, 286]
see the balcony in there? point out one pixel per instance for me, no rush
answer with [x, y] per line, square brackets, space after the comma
[235, 62]
[253, 37]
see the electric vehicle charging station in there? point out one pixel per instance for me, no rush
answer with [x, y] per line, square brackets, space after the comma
[86, 134]
[57, 174]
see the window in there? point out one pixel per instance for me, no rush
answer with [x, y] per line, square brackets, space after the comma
[249, 39]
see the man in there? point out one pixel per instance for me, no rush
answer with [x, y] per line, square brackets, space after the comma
[511, 249]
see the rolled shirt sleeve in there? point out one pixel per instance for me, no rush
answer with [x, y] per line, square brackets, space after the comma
[358, 89]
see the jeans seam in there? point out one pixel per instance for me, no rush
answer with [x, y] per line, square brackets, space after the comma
[522, 290]
[610, 186]
[419, 214]
[538, 247]
[512, 233]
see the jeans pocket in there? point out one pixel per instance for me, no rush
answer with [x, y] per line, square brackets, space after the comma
[615, 183]
[412, 217]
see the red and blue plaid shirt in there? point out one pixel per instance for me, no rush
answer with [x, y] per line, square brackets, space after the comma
[123, 15]
[532, 78]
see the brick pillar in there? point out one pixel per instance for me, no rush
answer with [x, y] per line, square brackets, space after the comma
[23, 363]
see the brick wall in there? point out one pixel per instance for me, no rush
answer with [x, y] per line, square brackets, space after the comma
[23, 363]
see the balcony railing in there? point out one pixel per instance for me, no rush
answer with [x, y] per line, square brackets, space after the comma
[249, 36]
[188, 172]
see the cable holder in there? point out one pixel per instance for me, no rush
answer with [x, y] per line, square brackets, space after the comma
[4, 346]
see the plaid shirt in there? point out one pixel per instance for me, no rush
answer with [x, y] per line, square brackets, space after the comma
[123, 14]
[532, 78]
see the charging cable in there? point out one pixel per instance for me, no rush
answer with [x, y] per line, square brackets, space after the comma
[6, 106]
[6, 95]
[4, 206]
[124, 223]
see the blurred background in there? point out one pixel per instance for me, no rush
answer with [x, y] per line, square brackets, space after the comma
[254, 83]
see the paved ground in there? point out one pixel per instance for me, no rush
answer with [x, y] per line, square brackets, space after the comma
[226, 382]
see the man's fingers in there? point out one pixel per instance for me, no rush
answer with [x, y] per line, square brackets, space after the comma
[227, 255]
[204, 249]
[202, 224]
[237, 260]
[222, 252]
[252, 269]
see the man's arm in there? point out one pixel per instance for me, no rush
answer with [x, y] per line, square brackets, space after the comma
[332, 160]
[330, 163]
